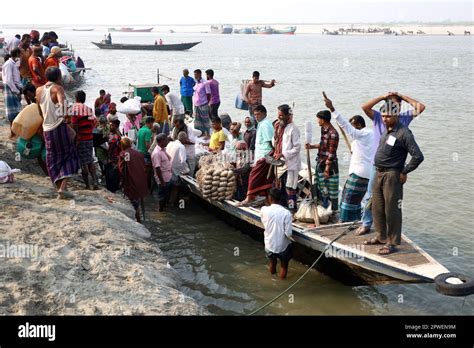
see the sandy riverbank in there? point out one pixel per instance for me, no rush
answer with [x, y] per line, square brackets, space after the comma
[81, 257]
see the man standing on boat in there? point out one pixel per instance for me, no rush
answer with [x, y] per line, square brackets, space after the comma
[215, 101]
[287, 146]
[387, 190]
[405, 118]
[259, 179]
[253, 92]
[160, 111]
[187, 90]
[278, 233]
[174, 103]
[327, 168]
[360, 166]
[201, 99]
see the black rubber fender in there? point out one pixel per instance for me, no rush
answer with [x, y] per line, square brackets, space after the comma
[465, 289]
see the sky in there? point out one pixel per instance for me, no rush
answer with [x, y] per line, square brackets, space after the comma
[138, 12]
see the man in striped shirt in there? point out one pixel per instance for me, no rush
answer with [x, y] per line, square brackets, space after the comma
[84, 121]
[327, 168]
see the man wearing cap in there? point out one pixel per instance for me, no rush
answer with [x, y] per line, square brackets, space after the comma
[53, 58]
[327, 168]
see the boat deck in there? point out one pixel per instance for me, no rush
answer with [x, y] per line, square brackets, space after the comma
[410, 263]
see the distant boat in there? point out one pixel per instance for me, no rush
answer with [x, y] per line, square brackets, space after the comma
[135, 47]
[264, 31]
[83, 29]
[286, 31]
[222, 29]
[243, 31]
[131, 30]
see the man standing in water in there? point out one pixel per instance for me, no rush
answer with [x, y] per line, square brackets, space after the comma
[278, 232]
[186, 89]
[387, 190]
[253, 92]
[405, 119]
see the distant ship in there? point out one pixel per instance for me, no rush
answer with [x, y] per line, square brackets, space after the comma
[287, 31]
[243, 31]
[263, 31]
[131, 30]
[83, 29]
[222, 29]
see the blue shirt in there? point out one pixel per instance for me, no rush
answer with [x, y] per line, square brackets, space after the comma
[187, 84]
[263, 138]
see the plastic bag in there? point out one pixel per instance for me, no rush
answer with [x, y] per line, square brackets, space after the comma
[131, 106]
[6, 173]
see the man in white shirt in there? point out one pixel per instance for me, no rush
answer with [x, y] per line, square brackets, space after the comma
[13, 86]
[278, 233]
[179, 166]
[174, 102]
[287, 145]
[189, 144]
[13, 43]
[360, 166]
[177, 152]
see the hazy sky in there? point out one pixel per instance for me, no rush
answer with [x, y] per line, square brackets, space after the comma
[234, 11]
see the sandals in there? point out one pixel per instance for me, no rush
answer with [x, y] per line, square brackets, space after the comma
[361, 231]
[387, 249]
[373, 241]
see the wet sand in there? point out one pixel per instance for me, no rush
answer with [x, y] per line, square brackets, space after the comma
[85, 256]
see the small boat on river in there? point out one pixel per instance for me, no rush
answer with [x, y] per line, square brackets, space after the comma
[138, 47]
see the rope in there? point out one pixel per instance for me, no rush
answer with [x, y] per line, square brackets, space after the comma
[351, 227]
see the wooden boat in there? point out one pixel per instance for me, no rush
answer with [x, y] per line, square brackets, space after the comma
[136, 47]
[347, 259]
[131, 30]
[83, 29]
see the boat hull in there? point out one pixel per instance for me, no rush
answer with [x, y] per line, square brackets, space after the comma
[361, 267]
[172, 47]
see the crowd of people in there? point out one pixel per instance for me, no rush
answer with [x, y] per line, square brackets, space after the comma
[26, 60]
[155, 146]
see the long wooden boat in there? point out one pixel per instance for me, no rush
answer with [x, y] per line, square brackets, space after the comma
[169, 47]
[131, 30]
[347, 260]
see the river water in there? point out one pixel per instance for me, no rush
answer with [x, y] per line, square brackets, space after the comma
[438, 205]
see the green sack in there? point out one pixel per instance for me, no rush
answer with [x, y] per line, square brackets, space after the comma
[29, 149]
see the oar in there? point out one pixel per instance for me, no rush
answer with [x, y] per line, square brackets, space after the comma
[314, 205]
[346, 138]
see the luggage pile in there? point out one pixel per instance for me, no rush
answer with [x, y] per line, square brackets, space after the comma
[216, 180]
